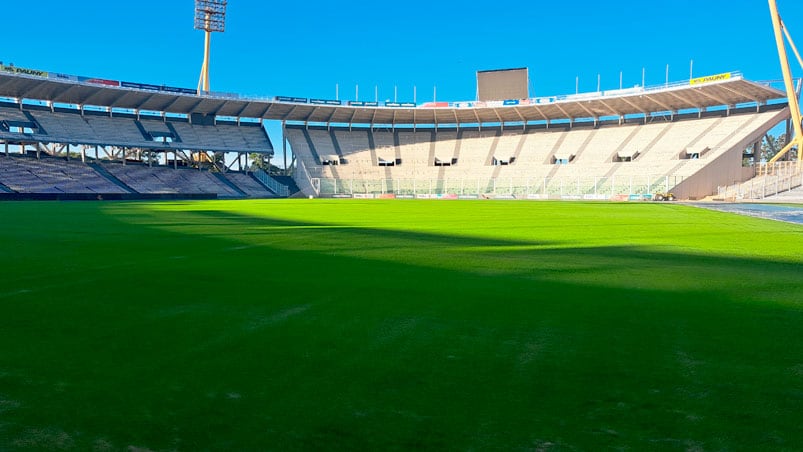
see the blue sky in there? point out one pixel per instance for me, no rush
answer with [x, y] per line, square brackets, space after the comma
[305, 48]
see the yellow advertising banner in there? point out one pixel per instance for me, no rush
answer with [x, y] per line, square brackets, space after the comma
[23, 71]
[710, 78]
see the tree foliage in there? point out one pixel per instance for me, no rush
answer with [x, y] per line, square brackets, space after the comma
[262, 161]
[771, 145]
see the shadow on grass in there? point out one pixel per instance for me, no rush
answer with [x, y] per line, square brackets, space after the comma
[274, 334]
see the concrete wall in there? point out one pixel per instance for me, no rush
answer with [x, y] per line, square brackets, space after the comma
[727, 168]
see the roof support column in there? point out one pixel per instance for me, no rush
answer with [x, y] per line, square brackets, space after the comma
[791, 93]
[284, 145]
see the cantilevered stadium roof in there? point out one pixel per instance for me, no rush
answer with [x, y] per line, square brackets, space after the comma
[728, 89]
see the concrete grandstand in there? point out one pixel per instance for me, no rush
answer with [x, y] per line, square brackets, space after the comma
[69, 134]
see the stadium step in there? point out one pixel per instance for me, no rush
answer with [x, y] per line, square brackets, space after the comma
[336, 145]
[5, 189]
[110, 177]
[230, 184]
[311, 145]
[289, 183]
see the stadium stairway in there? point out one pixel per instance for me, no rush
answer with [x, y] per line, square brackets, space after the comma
[4, 189]
[230, 184]
[110, 177]
[289, 182]
[795, 195]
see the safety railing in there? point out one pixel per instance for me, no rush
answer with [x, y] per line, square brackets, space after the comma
[770, 180]
[598, 187]
[271, 183]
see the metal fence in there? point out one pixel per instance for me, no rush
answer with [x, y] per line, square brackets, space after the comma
[600, 187]
[770, 180]
[271, 183]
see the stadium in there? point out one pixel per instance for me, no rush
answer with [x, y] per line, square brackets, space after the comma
[507, 272]
[688, 138]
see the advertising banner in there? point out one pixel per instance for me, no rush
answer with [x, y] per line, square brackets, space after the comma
[437, 196]
[98, 81]
[144, 86]
[64, 77]
[300, 100]
[595, 197]
[324, 102]
[435, 105]
[172, 89]
[710, 78]
[23, 71]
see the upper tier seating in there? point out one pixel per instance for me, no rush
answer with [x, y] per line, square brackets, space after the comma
[94, 128]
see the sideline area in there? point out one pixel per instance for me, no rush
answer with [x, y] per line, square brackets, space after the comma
[779, 212]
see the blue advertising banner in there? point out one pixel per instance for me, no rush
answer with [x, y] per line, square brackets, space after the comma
[173, 89]
[324, 102]
[300, 100]
[144, 86]
[65, 77]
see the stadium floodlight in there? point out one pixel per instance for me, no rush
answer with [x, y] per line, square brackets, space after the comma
[210, 16]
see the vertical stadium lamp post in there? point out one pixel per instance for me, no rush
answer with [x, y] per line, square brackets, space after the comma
[210, 16]
[791, 95]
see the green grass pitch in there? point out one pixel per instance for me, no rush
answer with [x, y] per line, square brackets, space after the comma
[388, 325]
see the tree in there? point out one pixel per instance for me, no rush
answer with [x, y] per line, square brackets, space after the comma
[262, 161]
[771, 146]
[218, 162]
[150, 157]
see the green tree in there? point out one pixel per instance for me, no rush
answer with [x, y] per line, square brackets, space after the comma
[150, 157]
[772, 145]
[262, 161]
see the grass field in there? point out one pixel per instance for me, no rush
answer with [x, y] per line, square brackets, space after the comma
[299, 324]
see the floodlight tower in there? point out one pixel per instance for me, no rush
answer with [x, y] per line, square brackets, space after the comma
[791, 95]
[210, 16]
